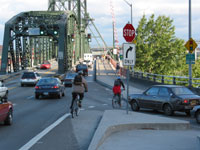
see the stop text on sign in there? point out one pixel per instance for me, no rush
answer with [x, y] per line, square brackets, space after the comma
[129, 32]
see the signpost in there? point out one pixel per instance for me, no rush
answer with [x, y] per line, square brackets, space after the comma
[190, 57]
[128, 52]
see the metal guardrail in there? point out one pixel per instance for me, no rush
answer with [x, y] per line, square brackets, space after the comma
[164, 79]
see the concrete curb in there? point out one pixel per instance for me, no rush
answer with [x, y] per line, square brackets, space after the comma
[110, 123]
[198, 142]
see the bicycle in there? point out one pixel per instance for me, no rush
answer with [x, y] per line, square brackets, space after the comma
[115, 100]
[75, 108]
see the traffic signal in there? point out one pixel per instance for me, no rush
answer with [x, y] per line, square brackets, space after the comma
[72, 37]
[89, 37]
[55, 29]
[42, 30]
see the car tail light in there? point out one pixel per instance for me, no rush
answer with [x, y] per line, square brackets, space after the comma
[37, 87]
[185, 101]
[55, 87]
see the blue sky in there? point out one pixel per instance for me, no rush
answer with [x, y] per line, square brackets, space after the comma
[101, 12]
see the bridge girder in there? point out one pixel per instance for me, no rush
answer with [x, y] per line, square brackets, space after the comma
[22, 49]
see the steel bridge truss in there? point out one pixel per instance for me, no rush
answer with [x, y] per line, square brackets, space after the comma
[33, 37]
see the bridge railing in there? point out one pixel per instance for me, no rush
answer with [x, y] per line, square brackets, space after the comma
[165, 79]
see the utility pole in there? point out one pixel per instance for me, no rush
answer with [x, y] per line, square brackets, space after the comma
[190, 35]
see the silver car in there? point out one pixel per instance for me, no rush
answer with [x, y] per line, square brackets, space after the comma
[30, 78]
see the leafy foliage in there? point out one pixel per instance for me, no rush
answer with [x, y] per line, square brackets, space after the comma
[158, 51]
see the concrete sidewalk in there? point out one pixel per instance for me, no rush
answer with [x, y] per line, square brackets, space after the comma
[138, 131]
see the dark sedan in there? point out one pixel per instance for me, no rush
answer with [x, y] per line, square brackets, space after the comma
[196, 113]
[168, 98]
[49, 87]
[69, 78]
[82, 67]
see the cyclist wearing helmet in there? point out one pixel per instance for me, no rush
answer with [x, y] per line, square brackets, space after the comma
[79, 87]
[117, 88]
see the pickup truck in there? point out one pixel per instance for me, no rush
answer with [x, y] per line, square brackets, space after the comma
[3, 91]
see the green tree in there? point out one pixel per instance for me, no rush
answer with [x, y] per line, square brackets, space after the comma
[157, 49]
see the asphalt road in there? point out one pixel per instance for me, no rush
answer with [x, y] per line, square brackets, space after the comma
[32, 117]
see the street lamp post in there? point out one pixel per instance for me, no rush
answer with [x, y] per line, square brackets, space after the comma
[190, 35]
[131, 9]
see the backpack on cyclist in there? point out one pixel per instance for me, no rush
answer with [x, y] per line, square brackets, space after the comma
[78, 80]
[117, 83]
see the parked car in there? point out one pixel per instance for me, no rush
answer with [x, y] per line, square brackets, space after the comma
[195, 112]
[30, 78]
[6, 112]
[45, 65]
[3, 91]
[69, 78]
[168, 98]
[82, 67]
[49, 87]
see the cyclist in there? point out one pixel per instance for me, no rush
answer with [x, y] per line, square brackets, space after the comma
[79, 87]
[117, 68]
[117, 88]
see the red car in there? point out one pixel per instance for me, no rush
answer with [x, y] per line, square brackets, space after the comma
[45, 65]
[6, 112]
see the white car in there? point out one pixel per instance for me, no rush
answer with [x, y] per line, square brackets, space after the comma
[30, 78]
[3, 91]
[88, 63]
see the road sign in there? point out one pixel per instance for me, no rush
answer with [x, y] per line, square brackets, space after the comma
[129, 32]
[128, 54]
[190, 58]
[191, 45]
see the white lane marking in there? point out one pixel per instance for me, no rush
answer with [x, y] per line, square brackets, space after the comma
[43, 133]
[107, 89]
[105, 104]
[30, 97]
[14, 104]
[91, 106]
[82, 109]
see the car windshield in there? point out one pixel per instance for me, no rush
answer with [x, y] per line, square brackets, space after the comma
[46, 62]
[182, 91]
[28, 75]
[47, 81]
[71, 75]
[82, 66]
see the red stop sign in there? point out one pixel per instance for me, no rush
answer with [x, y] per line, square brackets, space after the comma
[129, 32]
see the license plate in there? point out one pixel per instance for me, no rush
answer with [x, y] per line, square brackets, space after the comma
[46, 93]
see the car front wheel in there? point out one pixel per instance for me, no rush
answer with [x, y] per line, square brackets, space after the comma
[135, 106]
[168, 110]
[9, 118]
[198, 116]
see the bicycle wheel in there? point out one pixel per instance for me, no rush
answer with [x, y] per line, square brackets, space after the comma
[77, 111]
[72, 112]
[115, 102]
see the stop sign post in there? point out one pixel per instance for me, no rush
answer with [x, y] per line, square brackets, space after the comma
[129, 36]
[129, 32]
